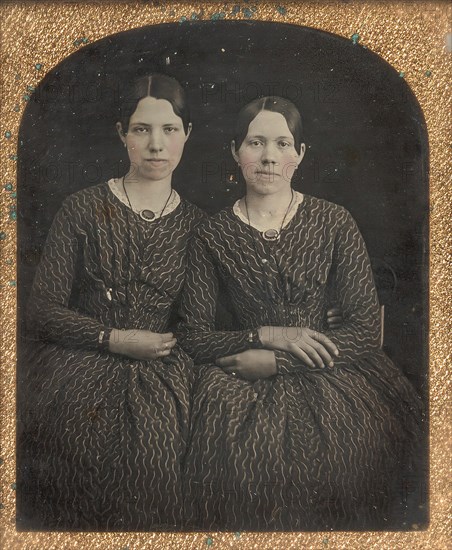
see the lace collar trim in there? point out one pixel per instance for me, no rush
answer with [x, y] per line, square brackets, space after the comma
[116, 188]
[298, 199]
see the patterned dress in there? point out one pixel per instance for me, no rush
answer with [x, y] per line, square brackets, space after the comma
[106, 433]
[308, 448]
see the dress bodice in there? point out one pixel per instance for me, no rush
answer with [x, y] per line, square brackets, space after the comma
[276, 283]
[103, 265]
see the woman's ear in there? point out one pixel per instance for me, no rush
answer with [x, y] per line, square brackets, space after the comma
[121, 133]
[234, 152]
[302, 152]
[189, 129]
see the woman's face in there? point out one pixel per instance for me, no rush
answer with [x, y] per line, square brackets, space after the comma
[155, 139]
[267, 155]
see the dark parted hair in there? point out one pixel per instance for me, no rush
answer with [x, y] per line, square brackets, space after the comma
[274, 104]
[159, 86]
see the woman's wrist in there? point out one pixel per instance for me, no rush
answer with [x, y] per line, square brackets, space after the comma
[273, 360]
[261, 335]
[115, 341]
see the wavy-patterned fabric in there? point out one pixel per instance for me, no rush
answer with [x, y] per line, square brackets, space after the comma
[105, 434]
[308, 448]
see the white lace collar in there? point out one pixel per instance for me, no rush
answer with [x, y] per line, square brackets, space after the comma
[117, 189]
[298, 199]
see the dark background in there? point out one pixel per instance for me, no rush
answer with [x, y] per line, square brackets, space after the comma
[365, 133]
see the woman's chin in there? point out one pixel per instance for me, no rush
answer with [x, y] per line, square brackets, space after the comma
[152, 174]
[267, 187]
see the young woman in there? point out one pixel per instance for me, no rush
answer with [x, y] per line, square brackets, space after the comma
[108, 424]
[294, 425]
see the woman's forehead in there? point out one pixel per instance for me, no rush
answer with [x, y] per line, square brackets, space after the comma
[152, 110]
[269, 123]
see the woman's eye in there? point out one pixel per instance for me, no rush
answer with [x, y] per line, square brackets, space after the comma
[284, 144]
[170, 129]
[140, 129]
[255, 143]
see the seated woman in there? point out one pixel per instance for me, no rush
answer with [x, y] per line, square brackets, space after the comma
[295, 426]
[109, 387]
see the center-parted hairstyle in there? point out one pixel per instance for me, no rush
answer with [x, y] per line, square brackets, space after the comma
[274, 104]
[156, 85]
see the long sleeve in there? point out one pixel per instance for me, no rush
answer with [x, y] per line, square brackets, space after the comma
[196, 331]
[351, 281]
[48, 311]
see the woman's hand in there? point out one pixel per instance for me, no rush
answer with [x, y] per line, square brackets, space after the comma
[251, 365]
[141, 344]
[334, 317]
[311, 346]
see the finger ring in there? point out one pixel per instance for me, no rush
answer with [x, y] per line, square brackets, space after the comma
[234, 373]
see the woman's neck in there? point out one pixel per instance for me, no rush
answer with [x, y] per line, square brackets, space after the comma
[269, 205]
[145, 194]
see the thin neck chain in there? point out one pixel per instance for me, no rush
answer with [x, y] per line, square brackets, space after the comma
[140, 246]
[130, 204]
[138, 261]
[271, 234]
[264, 262]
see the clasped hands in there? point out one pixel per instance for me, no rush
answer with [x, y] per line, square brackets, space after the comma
[311, 347]
[141, 344]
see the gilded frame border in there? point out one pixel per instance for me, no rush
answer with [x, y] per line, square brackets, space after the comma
[411, 36]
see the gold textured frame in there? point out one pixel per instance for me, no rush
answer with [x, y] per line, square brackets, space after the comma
[411, 36]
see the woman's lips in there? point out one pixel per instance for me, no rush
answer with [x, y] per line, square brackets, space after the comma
[156, 162]
[266, 174]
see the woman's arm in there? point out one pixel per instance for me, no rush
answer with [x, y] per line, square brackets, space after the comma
[48, 311]
[196, 332]
[351, 277]
[54, 321]
[352, 280]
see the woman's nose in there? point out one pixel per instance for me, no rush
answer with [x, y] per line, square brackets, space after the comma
[155, 141]
[269, 154]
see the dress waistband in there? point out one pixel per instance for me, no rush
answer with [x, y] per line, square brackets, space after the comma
[275, 314]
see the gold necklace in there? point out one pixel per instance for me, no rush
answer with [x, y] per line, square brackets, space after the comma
[146, 214]
[271, 234]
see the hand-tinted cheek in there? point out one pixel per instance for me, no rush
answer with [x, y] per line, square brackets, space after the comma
[288, 170]
[176, 148]
[133, 146]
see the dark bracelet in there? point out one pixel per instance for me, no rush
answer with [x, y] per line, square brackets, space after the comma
[104, 338]
[253, 339]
